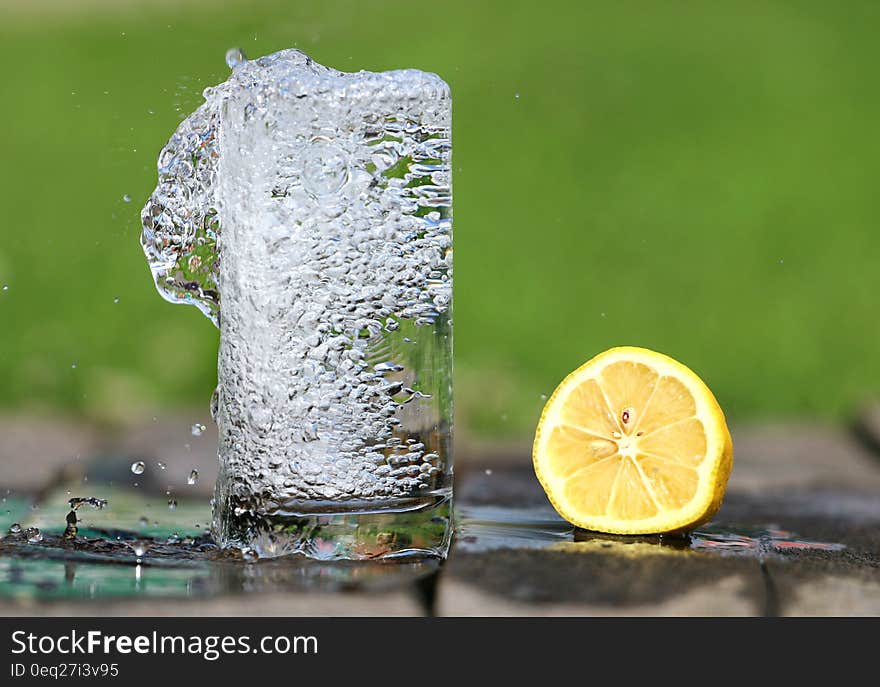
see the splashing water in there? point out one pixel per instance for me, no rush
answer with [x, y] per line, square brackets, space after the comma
[180, 220]
[71, 530]
[94, 502]
[307, 213]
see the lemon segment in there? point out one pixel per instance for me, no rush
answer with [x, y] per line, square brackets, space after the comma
[633, 442]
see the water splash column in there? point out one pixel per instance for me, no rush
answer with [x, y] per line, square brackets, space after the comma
[334, 401]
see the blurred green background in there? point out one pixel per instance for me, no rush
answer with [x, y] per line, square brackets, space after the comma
[695, 177]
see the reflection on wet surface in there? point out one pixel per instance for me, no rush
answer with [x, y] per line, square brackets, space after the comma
[100, 568]
[133, 549]
[135, 546]
[755, 541]
[484, 528]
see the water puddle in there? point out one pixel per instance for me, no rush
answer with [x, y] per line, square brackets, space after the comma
[487, 528]
[755, 541]
[131, 566]
[129, 544]
[484, 528]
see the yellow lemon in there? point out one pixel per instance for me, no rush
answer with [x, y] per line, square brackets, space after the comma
[633, 442]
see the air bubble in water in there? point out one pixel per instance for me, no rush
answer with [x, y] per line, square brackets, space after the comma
[387, 367]
[138, 467]
[235, 57]
[193, 477]
[126, 198]
[161, 465]
[325, 170]
[215, 403]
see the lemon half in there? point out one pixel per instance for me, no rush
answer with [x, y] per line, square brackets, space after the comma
[633, 442]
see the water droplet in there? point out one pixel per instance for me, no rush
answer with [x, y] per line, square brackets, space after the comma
[126, 198]
[143, 521]
[15, 528]
[193, 477]
[139, 549]
[488, 471]
[516, 95]
[543, 397]
[138, 467]
[173, 539]
[6, 287]
[235, 57]
[161, 465]
[73, 366]
[116, 300]
[172, 503]
[197, 430]
[33, 534]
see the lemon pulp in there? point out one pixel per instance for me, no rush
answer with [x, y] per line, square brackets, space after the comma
[633, 442]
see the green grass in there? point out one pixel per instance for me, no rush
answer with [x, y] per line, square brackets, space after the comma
[689, 177]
